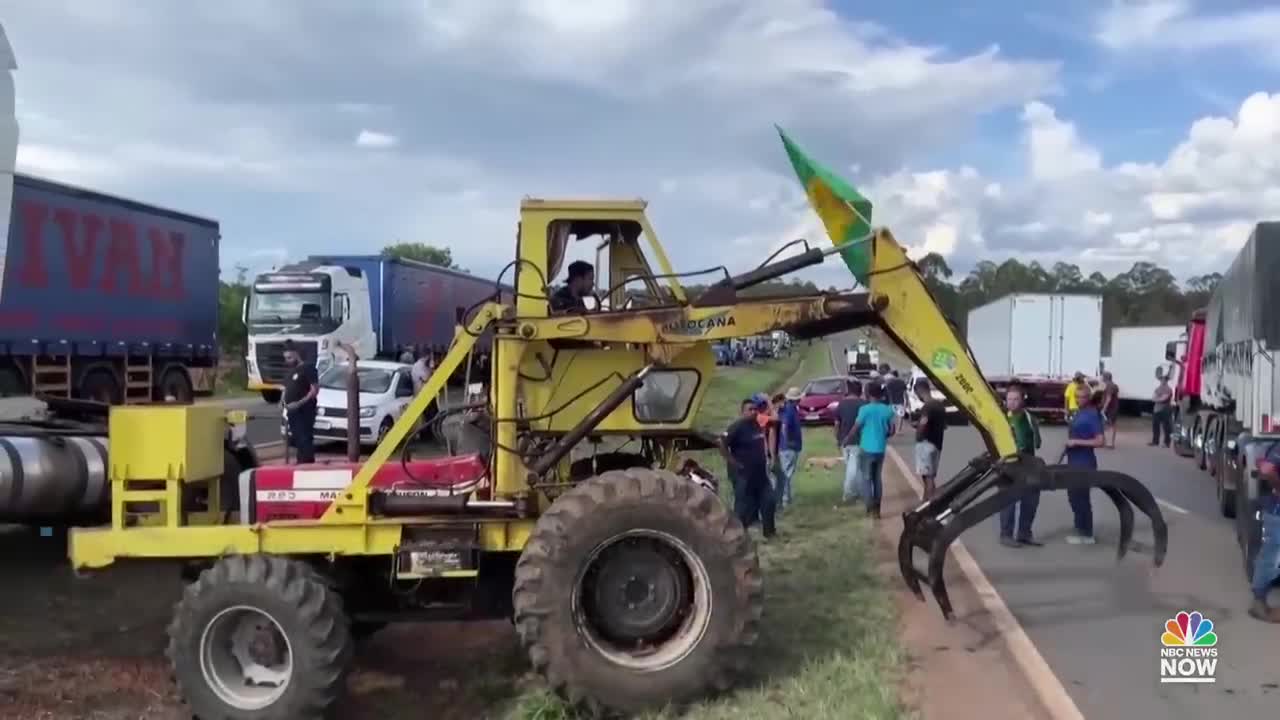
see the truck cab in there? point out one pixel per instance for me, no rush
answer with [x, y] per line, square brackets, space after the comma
[317, 307]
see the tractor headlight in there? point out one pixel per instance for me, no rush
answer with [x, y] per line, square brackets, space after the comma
[367, 412]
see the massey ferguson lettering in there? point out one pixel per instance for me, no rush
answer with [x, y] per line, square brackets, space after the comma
[699, 327]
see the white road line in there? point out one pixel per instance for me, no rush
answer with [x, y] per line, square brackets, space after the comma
[1048, 687]
[1171, 506]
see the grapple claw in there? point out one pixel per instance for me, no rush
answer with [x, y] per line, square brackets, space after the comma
[984, 488]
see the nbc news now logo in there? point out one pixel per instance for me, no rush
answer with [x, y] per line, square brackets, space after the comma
[1190, 649]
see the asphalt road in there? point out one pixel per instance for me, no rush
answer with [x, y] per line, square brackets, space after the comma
[1097, 622]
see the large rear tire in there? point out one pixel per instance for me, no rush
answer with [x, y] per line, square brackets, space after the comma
[260, 637]
[636, 590]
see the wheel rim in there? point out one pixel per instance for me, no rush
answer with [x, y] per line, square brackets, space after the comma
[643, 600]
[245, 658]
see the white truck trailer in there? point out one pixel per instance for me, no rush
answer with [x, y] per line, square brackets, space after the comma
[1137, 355]
[1039, 340]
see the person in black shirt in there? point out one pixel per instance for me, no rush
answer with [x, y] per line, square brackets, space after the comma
[895, 388]
[300, 390]
[930, 427]
[744, 449]
[847, 439]
[581, 281]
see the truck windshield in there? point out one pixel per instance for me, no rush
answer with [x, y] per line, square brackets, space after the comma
[281, 308]
[372, 380]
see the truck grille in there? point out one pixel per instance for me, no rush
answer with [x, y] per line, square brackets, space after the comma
[270, 357]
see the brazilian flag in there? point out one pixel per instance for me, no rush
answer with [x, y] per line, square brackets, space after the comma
[845, 213]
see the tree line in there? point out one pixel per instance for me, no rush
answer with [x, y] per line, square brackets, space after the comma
[1145, 294]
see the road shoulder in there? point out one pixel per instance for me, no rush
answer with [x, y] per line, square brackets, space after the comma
[961, 670]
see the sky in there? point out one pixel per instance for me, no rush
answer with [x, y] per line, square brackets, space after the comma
[1100, 133]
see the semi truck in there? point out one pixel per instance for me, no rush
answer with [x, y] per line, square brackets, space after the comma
[1227, 385]
[101, 297]
[381, 306]
[1039, 340]
[1137, 357]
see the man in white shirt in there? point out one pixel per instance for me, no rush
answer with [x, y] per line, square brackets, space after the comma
[420, 371]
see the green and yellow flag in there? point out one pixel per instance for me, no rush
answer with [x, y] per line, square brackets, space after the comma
[843, 210]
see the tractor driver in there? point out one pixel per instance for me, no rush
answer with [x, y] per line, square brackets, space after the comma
[568, 300]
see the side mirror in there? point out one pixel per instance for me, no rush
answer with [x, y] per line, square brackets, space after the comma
[1171, 351]
[244, 310]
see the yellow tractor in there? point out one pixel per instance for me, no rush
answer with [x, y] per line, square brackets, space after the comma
[630, 584]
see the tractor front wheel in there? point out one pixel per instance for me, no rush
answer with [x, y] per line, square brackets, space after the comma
[260, 637]
[637, 589]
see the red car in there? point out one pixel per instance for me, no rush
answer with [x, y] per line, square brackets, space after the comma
[819, 397]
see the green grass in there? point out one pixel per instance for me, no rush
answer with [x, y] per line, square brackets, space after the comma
[828, 648]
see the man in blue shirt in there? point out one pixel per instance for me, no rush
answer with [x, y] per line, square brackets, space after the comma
[790, 442]
[1085, 435]
[875, 427]
[1266, 567]
[744, 450]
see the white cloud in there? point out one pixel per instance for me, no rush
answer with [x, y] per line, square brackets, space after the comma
[1178, 25]
[1191, 212]
[492, 100]
[376, 140]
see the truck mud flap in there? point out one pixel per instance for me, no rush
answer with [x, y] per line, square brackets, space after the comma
[985, 488]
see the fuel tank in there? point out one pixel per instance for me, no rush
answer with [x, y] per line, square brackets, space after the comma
[55, 480]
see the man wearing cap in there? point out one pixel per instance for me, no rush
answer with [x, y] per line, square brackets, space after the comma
[743, 446]
[790, 442]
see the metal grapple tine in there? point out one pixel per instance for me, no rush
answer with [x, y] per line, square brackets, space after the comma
[1141, 497]
[1126, 519]
[906, 561]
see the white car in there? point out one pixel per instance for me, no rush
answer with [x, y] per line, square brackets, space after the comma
[386, 389]
[914, 404]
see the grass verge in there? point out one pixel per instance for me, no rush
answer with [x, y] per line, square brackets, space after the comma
[828, 649]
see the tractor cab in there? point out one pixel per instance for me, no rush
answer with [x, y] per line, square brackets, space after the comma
[610, 235]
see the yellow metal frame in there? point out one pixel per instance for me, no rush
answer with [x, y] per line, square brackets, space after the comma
[539, 366]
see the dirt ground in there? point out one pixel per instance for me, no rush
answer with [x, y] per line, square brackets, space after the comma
[93, 649]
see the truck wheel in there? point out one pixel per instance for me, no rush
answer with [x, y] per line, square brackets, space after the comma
[1226, 498]
[11, 382]
[1199, 437]
[175, 384]
[101, 384]
[259, 637]
[637, 589]
[271, 397]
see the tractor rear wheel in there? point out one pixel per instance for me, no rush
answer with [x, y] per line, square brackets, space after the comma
[261, 637]
[637, 589]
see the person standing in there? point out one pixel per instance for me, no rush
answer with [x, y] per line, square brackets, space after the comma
[1266, 566]
[896, 389]
[847, 439]
[300, 391]
[875, 427]
[1026, 436]
[1072, 394]
[1110, 405]
[930, 428]
[1162, 412]
[1085, 434]
[743, 448]
[790, 443]
[768, 420]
